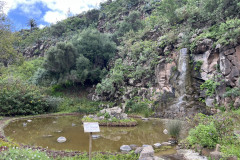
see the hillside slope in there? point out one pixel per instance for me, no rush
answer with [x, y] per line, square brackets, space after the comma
[175, 58]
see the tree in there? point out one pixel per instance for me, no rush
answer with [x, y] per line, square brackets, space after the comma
[32, 24]
[7, 39]
[95, 46]
[61, 58]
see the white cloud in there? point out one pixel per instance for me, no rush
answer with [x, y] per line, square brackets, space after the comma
[41, 26]
[58, 8]
[54, 16]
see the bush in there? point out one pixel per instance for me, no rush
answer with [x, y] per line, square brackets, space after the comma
[23, 71]
[61, 58]
[174, 128]
[23, 154]
[210, 87]
[205, 135]
[18, 98]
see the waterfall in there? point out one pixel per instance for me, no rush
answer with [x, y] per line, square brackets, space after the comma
[183, 68]
[183, 81]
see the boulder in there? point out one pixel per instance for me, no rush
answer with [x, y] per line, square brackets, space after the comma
[147, 152]
[125, 148]
[203, 46]
[133, 146]
[225, 65]
[209, 102]
[166, 144]
[61, 139]
[229, 51]
[237, 103]
[157, 145]
[138, 150]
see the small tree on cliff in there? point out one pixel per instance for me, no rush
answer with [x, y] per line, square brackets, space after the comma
[32, 24]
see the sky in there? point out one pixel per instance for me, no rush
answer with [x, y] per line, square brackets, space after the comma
[45, 12]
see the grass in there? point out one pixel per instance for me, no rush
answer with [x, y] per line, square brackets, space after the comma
[113, 122]
[174, 128]
[16, 153]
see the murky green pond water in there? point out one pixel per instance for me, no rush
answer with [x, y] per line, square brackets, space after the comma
[45, 131]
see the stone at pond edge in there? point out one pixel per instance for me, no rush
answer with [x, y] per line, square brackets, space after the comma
[29, 120]
[157, 145]
[133, 146]
[166, 144]
[138, 150]
[145, 145]
[145, 119]
[125, 148]
[147, 153]
[61, 139]
[95, 136]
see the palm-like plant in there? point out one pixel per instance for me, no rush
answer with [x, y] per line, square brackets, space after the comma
[32, 23]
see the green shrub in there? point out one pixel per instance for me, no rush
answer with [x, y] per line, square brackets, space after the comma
[107, 115]
[23, 154]
[22, 71]
[210, 87]
[231, 150]
[233, 92]
[174, 128]
[18, 98]
[61, 58]
[205, 135]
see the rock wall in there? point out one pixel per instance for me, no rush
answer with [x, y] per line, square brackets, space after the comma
[219, 64]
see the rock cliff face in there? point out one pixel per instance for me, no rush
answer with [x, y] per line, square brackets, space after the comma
[175, 83]
[182, 86]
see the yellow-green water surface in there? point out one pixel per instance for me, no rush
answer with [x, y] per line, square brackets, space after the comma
[45, 131]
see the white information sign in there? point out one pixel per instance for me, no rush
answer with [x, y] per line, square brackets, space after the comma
[91, 127]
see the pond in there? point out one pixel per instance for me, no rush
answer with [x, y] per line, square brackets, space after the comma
[45, 131]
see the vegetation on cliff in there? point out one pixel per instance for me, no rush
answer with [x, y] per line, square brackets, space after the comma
[126, 52]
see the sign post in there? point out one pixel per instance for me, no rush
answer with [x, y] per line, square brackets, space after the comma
[90, 127]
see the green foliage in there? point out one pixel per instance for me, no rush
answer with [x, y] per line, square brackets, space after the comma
[23, 154]
[198, 65]
[23, 71]
[107, 115]
[95, 46]
[7, 144]
[210, 87]
[85, 62]
[174, 128]
[100, 156]
[132, 22]
[18, 98]
[94, 50]
[136, 105]
[214, 129]
[115, 80]
[76, 104]
[223, 33]
[109, 119]
[58, 29]
[205, 135]
[32, 23]
[8, 54]
[60, 59]
[231, 150]
[232, 92]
